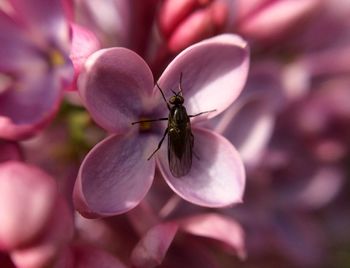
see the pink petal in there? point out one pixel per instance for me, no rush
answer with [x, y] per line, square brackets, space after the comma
[251, 138]
[214, 73]
[84, 43]
[27, 195]
[204, 20]
[30, 107]
[116, 87]
[18, 48]
[173, 12]
[112, 21]
[30, 93]
[14, 45]
[270, 18]
[216, 179]
[217, 227]
[115, 176]
[58, 233]
[249, 122]
[44, 18]
[319, 190]
[245, 8]
[153, 246]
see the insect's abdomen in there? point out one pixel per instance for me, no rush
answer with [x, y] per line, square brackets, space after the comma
[178, 126]
[180, 141]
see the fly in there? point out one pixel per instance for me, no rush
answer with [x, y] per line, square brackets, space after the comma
[180, 137]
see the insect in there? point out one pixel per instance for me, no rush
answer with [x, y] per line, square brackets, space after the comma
[180, 137]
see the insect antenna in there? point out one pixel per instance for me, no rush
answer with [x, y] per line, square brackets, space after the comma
[161, 91]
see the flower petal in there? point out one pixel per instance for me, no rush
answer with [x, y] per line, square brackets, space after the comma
[115, 176]
[116, 87]
[151, 249]
[84, 43]
[15, 49]
[214, 73]
[44, 18]
[248, 123]
[217, 227]
[217, 176]
[26, 195]
[28, 108]
[58, 233]
[268, 19]
[319, 189]
[111, 21]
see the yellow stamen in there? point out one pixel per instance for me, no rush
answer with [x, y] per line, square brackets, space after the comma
[145, 126]
[56, 58]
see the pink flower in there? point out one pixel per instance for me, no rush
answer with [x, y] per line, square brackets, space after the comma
[83, 44]
[34, 66]
[203, 18]
[153, 247]
[267, 20]
[117, 88]
[258, 104]
[119, 22]
[35, 222]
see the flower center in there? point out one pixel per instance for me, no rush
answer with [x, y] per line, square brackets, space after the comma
[145, 126]
[56, 58]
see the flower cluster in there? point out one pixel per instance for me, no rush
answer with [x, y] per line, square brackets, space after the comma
[174, 133]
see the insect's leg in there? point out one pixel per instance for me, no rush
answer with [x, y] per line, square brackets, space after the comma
[193, 115]
[150, 120]
[161, 91]
[159, 144]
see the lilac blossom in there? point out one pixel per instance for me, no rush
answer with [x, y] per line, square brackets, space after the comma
[154, 245]
[289, 125]
[259, 104]
[30, 195]
[83, 44]
[117, 88]
[34, 65]
[205, 18]
[266, 20]
[37, 57]
[126, 23]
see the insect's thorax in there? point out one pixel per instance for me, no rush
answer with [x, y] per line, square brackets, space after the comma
[178, 115]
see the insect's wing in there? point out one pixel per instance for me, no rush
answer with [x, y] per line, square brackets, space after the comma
[180, 145]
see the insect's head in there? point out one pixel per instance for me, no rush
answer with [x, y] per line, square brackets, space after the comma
[177, 99]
